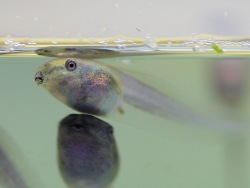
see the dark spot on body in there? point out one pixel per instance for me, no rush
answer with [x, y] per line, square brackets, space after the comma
[42, 51]
[64, 83]
[84, 98]
[47, 51]
[70, 49]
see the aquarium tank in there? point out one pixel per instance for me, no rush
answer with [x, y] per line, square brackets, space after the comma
[139, 94]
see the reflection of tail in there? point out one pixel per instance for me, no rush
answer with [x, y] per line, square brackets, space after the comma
[147, 98]
[13, 169]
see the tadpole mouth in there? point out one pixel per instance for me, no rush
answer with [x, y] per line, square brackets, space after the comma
[39, 78]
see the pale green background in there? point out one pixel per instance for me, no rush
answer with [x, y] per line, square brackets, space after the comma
[154, 152]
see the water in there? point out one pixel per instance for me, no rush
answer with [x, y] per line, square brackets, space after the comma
[155, 152]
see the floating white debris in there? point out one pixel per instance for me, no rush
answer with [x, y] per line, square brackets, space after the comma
[150, 42]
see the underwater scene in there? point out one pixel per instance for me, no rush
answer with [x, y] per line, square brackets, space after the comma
[124, 112]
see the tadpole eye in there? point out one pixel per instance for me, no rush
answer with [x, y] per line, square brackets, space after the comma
[70, 65]
[77, 126]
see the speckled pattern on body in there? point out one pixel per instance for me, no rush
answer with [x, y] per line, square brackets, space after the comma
[90, 88]
[87, 153]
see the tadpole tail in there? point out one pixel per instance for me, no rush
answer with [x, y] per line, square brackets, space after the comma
[149, 99]
[10, 177]
[14, 170]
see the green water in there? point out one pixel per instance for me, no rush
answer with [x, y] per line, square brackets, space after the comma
[155, 152]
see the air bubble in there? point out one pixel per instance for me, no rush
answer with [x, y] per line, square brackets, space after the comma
[169, 44]
[91, 41]
[117, 6]
[131, 42]
[196, 48]
[32, 43]
[188, 42]
[245, 44]
[104, 28]
[11, 45]
[120, 40]
[27, 41]
[11, 49]
[150, 42]
[53, 42]
[104, 43]
[121, 46]
[227, 43]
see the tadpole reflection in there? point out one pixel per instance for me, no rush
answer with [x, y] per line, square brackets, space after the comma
[87, 152]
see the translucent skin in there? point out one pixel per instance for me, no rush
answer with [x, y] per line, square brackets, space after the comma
[90, 88]
[15, 170]
[97, 89]
[87, 153]
[10, 176]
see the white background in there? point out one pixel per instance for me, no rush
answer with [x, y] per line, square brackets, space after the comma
[105, 18]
